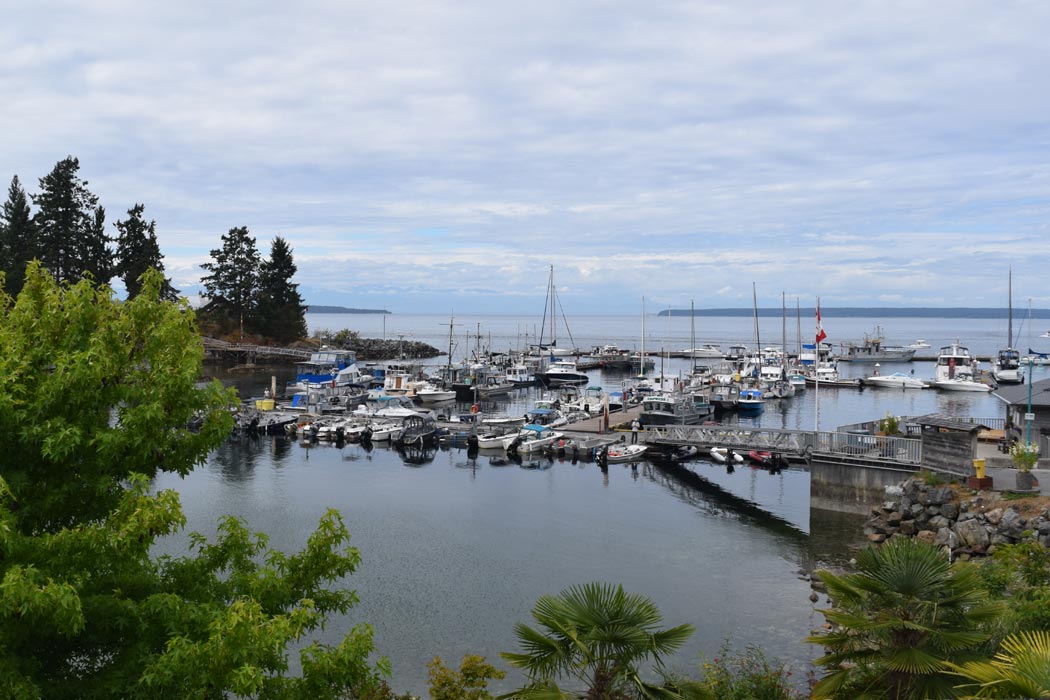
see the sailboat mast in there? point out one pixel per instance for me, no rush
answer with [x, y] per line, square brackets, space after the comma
[783, 331]
[641, 360]
[754, 305]
[1010, 310]
[692, 334]
[798, 321]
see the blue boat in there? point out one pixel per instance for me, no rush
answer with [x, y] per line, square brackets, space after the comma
[327, 366]
[750, 401]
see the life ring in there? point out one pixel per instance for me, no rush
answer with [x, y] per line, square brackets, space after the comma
[475, 408]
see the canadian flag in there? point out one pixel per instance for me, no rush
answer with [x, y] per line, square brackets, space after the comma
[821, 335]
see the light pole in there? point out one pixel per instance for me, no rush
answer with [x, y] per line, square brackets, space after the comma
[1028, 415]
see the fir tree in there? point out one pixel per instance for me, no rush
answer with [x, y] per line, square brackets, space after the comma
[16, 237]
[280, 308]
[234, 274]
[71, 237]
[138, 251]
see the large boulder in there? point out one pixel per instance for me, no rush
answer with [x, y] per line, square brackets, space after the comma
[971, 533]
[994, 516]
[938, 495]
[950, 511]
[1012, 523]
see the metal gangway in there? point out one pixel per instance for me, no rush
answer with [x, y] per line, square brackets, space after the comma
[216, 346]
[843, 447]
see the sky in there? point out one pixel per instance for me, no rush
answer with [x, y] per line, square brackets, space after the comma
[431, 156]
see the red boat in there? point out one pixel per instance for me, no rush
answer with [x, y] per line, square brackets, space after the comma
[767, 459]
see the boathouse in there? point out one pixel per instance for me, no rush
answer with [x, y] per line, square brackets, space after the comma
[948, 444]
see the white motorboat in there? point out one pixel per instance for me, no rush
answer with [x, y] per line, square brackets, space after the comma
[724, 454]
[708, 350]
[618, 454]
[1007, 366]
[499, 438]
[562, 372]
[532, 438]
[962, 383]
[897, 380]
[383, 432]
[956, 370]
[919, 344]
[428, 392]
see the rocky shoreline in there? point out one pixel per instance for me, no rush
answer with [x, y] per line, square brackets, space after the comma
[972, 523]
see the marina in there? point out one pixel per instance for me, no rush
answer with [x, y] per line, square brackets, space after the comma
[435, 522]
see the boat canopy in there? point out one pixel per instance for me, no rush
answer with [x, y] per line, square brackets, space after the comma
[541, 412]
[535, 428]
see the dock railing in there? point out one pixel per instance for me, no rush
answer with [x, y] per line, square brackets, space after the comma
[836, 446]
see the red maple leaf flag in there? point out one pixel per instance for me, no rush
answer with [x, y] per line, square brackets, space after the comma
[821, 335]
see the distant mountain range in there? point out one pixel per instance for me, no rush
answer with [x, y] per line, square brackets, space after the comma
[314, 309]
[871, 312]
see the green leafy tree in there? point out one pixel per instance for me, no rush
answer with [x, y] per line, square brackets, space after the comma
[95, 399]
[595, 635]
[16, 237]
[898, 621]
[470, 682]
[281, 313]
[138, 251]
[1021, 669]
[70, 226]
[234, 274]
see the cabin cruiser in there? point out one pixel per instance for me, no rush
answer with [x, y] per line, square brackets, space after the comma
[750, 401]
[956, 370]
[562, 372]
[326, 366]
[1007, 368]
[873, 349]
[708, 350]
[428, 392]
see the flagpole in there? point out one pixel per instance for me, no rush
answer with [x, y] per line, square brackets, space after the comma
[816, 371]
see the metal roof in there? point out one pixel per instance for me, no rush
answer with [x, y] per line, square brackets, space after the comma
[1017, 395]
[938, 420]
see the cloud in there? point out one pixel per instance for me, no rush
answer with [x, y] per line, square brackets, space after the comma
[677, 151]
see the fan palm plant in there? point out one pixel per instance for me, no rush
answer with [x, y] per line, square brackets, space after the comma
[1021, 669]
[595, 635]
[898, 621]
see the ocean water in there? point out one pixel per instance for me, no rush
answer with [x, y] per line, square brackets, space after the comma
[456, 549]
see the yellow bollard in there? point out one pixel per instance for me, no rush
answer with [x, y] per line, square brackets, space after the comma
[978, 465]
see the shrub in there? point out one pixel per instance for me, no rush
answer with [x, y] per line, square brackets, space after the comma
[747, 675]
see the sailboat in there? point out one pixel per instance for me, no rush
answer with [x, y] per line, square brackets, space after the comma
[550, 348]
[1007, 367]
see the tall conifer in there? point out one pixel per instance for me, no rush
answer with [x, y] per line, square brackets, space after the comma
[16, 237]
[138, 251]
[70, 226]
[280, 309]
[234, 273]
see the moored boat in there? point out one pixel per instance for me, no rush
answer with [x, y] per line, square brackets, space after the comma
[897, 380]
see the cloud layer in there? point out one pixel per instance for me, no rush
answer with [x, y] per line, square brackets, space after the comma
[422, 156]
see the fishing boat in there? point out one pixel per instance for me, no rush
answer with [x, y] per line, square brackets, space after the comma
[669, 409]
[874, 349]
[326, 366]
[428, 392]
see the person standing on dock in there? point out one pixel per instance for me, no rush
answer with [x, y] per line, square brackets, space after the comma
[635, 425]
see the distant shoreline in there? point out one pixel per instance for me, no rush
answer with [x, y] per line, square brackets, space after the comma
[315, 309]
[869, 312]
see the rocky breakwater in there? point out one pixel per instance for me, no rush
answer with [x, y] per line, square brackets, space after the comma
[971, 523]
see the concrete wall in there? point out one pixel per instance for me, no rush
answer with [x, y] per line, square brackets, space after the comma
[849, 488]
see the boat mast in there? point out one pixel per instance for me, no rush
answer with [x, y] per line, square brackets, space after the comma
[1010, 310]
[754, 304]
[692, 335]
[448, 368]
[783, 332]
[798, 321]
[641, 359]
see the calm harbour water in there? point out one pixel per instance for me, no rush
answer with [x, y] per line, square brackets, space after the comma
[455, 551]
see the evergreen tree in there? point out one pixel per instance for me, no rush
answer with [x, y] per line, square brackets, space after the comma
[280, 309]
[234, 273]
[96, 396]
[71, 237]
[16, 237]
[138, 251]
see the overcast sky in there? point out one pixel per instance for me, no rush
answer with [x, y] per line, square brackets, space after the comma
[421, 156]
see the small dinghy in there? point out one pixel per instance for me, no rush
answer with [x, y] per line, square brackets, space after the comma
[724, 454]
[617, 454]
